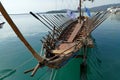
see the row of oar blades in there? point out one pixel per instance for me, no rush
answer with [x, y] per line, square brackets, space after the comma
[51, 20]
[55, 22]
[97, 19]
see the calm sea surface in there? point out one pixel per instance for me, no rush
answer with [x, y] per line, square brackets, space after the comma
[103, 60]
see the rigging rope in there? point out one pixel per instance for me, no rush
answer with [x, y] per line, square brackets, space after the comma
[25, 62]
[45, 74]
[41, 51]
[54, 75]
[14, 69]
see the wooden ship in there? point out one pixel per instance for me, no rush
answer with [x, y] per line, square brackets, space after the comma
[63, 41]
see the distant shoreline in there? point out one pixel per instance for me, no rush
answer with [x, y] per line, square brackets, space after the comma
[48, 13]
[94, 9]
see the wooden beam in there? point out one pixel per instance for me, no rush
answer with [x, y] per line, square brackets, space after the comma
[19, 34]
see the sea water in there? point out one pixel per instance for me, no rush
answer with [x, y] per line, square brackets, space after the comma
[103, 60]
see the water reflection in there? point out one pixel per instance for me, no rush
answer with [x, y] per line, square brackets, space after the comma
[6, 73]
[92, 69]
[115, 17]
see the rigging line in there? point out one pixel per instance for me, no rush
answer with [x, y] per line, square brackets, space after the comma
[52, 74]
[91, 64]
[94, 65]
[96, 50]
[14, 69]
[62, 3]
[94, 74]
[25, 62]
[55, 5]
[96, 57]
[98, 71]
[94, 62]
[7, 74]
[44, 75]
[41, 51]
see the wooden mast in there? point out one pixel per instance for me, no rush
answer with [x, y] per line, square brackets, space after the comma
[80, 10]
[19, 34]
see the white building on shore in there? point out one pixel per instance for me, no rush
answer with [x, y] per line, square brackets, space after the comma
[114, 9]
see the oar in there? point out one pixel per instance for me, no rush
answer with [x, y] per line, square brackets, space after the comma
[45, 20]
[53, 20]
[57, 20]
[50, 21]
[19, 34]
[40, 20]
[100, 21]
[54, 23]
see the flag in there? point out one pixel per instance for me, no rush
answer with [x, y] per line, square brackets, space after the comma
[88, 12]
[70, 14]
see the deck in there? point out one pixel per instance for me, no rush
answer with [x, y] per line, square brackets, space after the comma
[69, 45]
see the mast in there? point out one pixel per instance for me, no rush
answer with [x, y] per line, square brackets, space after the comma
[80, 11]
[80, 8]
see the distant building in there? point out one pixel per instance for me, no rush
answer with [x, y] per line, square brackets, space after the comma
[114, 9]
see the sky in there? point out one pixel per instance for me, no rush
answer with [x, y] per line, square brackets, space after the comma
[25, 6]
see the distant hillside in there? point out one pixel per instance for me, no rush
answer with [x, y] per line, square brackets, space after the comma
[104, 7]
[94, 9]
[59, 11]
[56, 11]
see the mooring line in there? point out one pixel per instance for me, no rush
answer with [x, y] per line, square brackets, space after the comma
[44, 75]
[15, 68]
[54, 75]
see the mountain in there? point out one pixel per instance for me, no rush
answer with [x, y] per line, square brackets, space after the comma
[104, 7]
[94, 9]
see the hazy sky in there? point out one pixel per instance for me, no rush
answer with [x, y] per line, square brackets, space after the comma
[25, 6]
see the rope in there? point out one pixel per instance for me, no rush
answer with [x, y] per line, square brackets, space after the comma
[46, 73]
[14, 69]
[41, 51]
[23, 63]
[52, 73]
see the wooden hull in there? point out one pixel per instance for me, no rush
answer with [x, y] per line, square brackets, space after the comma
[65, 40]
[70, 41]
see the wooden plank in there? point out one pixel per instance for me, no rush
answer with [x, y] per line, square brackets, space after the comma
[75, 31]
[64, 48]
[19, 34]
